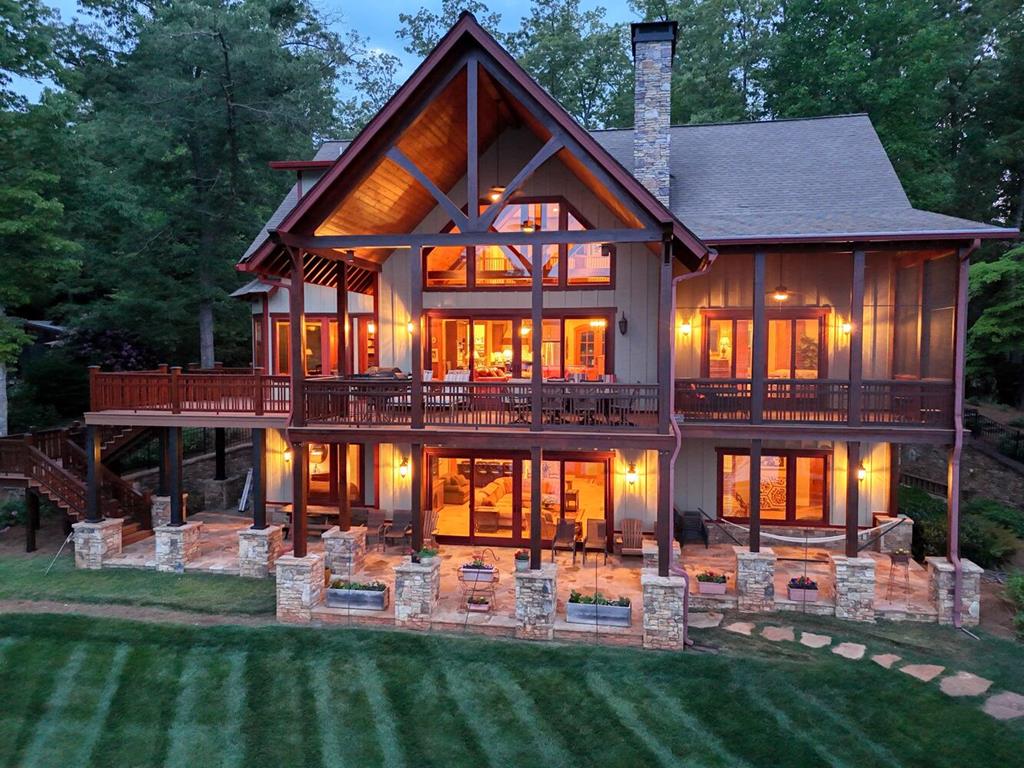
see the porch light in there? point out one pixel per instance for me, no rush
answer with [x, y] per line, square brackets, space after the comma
[685, 328]
[287, 455]
[846, 328]
[524, 330]
[631, 474]
[495, 194]
[403, 468]
[781, 293]
[528, 226]
[371, 328]
[862, 472]
[410, 327]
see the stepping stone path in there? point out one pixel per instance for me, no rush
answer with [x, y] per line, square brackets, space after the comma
[812, 640]
[923, 672]
[964, 684]
[1005, 706]
[778, 634]
[740, 627]
[704, 620]
[885, 660]
[853, 651]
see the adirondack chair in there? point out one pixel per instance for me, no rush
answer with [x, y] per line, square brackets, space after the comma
[399, 530]
[630, 543]
[596, 539]
[430, 528]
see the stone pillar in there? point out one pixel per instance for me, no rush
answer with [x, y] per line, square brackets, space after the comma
[940, 589]
[755, 580]
[649, 550]
[344, 550]
[258, 550]
[95, 542]
[160, 510]
[854, 580]
[300, 587]
[537, 602]
[417, 589]
[176, 546]
[664, 611]
[899, 537]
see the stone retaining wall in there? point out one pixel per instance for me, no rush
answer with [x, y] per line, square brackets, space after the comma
[940, 589]
[300, 587]
[258, 550]
[755, 580]
[176, 546]
[344, 550]
[853, 579]
[95, 542]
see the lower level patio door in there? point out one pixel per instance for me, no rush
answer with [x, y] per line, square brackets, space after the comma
[325, 471]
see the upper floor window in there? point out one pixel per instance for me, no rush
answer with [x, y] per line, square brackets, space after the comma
[796, 344]
[505, 266]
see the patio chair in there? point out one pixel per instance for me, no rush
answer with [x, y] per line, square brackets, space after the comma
[552, 406]
[585, 409]
[565, 538]
[595, 539]
[376, 522]
[438, 396]
[630, 543]
[516, 402]
[399, 531]
[620, 408]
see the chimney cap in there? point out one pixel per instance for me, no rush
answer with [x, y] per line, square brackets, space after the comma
[654, 32]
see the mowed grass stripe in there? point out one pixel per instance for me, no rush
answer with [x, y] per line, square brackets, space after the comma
[90, 734]
[51, 721]
[483, 717]
[866, 742]
[235, 698]
[383, 717]
[182, 737]
[326, 713]
[530, 721]
[794, 731]
[674, 710]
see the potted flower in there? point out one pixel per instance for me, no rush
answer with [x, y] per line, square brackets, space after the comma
[425, 555]
[476, 570]
[369, 596]
[522, 559]
[478, 603]
[803, 589]
[711, 583]
[598, 609]
[900, 556]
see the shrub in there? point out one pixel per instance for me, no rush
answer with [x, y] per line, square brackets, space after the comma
[1008, 517]
[12, 512]
[1015, 591]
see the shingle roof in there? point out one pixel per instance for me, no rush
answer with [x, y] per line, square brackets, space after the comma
[806, 178]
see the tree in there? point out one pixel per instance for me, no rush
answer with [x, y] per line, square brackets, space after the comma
[995, 341]
[423, 30]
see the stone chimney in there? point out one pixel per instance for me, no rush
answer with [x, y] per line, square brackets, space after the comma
[654, 45]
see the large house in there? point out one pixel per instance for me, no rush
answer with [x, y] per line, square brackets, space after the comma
[523, 332]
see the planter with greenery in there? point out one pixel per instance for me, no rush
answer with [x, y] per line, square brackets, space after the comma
[477, 570]
[598, 609]
[425, 556]
[478, 604]
[522, 559]
[900, 556]
[368, 596]
[803, 589]
[711, 583]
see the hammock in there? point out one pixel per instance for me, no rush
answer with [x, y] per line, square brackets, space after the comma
[806, 540]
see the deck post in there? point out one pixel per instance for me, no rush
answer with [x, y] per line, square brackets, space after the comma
[416, 495]
[300, 497]
[341, 288]
[537, 339]
[852, 496]
[856, 340]
[416, 338]
[165, 458]
[665, 339]
[755, 496]
[259, 479]
[176, 389]
[344, 503]
[297, 337]
[175, 476]
[759, 342]
[220, 471]
[664, 524]
[536, 457]
[31, 519]
[93, 506]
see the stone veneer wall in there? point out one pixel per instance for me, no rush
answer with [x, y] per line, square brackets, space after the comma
[300, 587]
[160, 510]
[199, 470]
[898, 537]
[344, 550]
[258, 550]
[653, 92]
[176, 546]
[536, 602]
[853, 579]
[664, 610]
[95, 542]
[417, 589]
[755, 580]
[940, 589]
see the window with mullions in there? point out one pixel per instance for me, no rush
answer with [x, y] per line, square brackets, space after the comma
[506, 266]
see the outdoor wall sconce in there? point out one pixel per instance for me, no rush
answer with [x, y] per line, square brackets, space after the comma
[403, 468]
[410, 327]
[371, 328]
[623, 324]
[287, 455]
[846, 328]
[631, 474]
[862, 472]
[685, 328]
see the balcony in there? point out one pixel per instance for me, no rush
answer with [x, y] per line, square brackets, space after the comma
[817, 401]
[172, 391]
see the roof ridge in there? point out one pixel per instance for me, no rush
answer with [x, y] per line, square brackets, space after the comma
[744, 122]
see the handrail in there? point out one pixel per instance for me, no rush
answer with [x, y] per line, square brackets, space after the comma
[211, 391]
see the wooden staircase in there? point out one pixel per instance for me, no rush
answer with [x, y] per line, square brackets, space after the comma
[53, 464]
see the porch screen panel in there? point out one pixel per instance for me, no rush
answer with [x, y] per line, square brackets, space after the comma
[938, 312]
[906, 359]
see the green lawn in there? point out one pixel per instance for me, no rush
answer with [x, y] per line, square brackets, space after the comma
[101, 692]
[24, 577]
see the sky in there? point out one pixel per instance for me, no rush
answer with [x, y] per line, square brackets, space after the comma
[376, 20]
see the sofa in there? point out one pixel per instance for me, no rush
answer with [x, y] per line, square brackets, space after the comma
[494, 505]
[456, 489]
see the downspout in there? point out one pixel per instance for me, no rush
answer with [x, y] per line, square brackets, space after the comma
[680, 571]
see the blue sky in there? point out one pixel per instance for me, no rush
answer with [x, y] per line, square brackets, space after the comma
[377, 20]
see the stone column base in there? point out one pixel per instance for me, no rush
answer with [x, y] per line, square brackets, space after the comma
[344, 550]
[899, 537]
[95, 542]
[536, 603]
[300, 587]
[160, 510]
[664, 610]
[854, 581]
[755, 580]
[940, 590]
[417, 589]
[176, 546]
[258, 550]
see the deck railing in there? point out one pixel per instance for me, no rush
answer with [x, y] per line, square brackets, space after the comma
[817, 401]
[173, 391]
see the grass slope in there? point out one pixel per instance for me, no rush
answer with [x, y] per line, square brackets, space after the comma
[89, 692]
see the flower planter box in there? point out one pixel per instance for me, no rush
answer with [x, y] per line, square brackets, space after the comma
[476, 574]
[711, 587]
[608, 615]
[803, 595]
[522, 565]
[478, 607]
[362, 599]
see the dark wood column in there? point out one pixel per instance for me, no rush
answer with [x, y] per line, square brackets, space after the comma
[300, 498]
[93, 507]
[759, 352]
[665, 339]
[220, 454]
[852, 497]
[959, 361]
[175, 476]
[165, 458]
[536, 457]
[31, 519]
[344, 503]
[344, 353]
[856, 339]
[297, 337]
[416, 495]
[416, 337]
[537, 339]
[664, 524]
[755, 496]
[259, 479]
